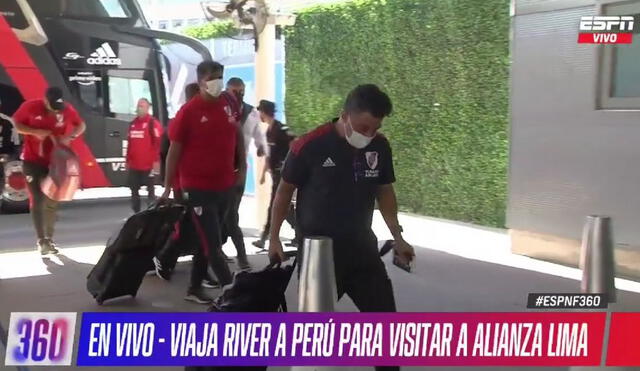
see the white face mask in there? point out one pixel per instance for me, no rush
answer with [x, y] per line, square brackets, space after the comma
[356, 139]
[214, 87]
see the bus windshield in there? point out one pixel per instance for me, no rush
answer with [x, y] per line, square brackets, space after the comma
[81, 8]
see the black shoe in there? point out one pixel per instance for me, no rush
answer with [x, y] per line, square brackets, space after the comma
[46, 246]
[259, 244]
[210, 283]
[164, 274]
[198, 296]
[243, 264]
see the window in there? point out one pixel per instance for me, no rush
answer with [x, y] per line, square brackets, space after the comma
[124, 94]
[193, 22]
[619, 85]
[87, 86]
[163, 25]
[177, 23]
[81, 8]
[13, 14]
[625, 82]
[114, 8]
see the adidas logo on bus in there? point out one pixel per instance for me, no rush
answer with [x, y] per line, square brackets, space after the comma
[104, 55]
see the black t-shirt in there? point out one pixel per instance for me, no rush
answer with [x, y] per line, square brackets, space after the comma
[337, 183]
[278, 137]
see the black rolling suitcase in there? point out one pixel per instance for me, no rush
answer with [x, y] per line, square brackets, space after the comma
[129, 255]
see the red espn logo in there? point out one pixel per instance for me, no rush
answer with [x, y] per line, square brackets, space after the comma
[621, 35]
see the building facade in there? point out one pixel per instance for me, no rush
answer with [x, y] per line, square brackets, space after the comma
[575, 127]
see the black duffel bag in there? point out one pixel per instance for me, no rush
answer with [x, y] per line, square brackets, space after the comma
[262, 291]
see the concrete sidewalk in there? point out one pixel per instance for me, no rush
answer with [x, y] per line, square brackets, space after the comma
[459, 268]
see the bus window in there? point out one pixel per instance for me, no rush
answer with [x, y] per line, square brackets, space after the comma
[13, 14]
[124, 94]
[87, 86]
[114, 8]
[80, 8]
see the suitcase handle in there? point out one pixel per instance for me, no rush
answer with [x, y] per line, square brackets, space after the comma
[291, 254]
[164, 203]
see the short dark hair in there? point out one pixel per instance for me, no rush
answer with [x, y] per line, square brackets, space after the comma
[191, 90]
[267, 107]
[235, 81]
[208, 67]
[368, 98]
[145, 100]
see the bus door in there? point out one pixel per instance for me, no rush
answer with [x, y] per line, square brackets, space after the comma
[124, 89]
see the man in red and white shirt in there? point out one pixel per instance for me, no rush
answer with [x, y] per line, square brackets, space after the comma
[143, 152]
[207, 147]
[166, 259]
[45, 122]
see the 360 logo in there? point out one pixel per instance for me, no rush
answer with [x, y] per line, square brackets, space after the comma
[40, 339]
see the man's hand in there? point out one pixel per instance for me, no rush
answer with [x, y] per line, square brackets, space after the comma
[404, 251]
[241, 177]
[276, 253]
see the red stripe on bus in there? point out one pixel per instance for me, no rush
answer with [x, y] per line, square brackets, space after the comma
[32, 84]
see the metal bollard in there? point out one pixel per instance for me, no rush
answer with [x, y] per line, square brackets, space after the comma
[596, 257]
[317, 290]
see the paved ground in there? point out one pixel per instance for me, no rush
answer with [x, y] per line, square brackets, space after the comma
[459, 268]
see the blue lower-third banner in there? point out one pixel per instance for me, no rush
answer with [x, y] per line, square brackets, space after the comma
[330, 339]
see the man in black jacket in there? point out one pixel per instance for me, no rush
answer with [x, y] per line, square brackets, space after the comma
[250, 124]
[278, 138]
